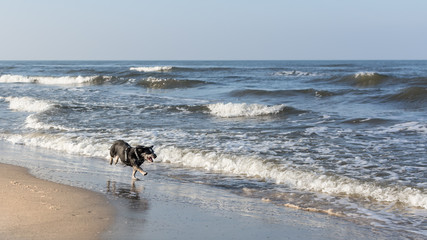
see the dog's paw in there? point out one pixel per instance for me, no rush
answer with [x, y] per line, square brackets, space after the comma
[135, 179]
[145, 173]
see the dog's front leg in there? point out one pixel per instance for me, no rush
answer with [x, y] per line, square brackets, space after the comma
[142, 171]
[133, 173]
[138, 169]
[111, 160]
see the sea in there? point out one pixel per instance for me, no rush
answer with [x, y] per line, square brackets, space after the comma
[343, 138]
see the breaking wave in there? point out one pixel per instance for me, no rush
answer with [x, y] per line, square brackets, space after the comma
[255, 167]
[165, 83]
[249, 166]
[33, 122]
[28, 104]
[64, 80]
[363, 79]
[80, 145]
[231, 110]
[152, 69]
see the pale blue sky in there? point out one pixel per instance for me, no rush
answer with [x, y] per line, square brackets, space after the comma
[212, 30]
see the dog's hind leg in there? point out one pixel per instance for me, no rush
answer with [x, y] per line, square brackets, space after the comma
[111, 160]
[117, 159]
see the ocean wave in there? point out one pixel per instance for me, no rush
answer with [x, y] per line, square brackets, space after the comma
[374, 121]
[48, 80]
[33, 122]
[410, 95]
[152, 69]
[79, 145]
[27, 104]
[405, 127]
[180, 69]
[254, 167]
[232, 110]
[281, 93]
[365, 79]
[295, 73]
[167, 83]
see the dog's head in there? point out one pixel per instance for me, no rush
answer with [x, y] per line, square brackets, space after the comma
[147, 153]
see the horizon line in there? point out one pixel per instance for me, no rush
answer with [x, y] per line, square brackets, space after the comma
[206, 60]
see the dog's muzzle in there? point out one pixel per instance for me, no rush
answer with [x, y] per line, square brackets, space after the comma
[151, 157]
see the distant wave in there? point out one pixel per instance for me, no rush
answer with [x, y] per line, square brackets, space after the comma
[27, 104]
[231, 110]
[165, 83]
[152, 69]
[281, 93]
[295, 73]
[48, 80]
[180, 69]
[255, 167]
[363, 79]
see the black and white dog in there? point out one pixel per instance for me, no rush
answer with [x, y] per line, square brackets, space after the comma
[131, 156]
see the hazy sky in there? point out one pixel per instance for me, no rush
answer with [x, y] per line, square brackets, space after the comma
[212, 29]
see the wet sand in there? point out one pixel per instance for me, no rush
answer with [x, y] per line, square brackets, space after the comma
[31, 208]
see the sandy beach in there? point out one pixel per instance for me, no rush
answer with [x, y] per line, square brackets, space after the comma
[32, 208]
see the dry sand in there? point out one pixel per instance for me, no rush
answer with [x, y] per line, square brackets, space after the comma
[32, 208]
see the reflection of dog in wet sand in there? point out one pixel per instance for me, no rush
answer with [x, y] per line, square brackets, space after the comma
[131, 156]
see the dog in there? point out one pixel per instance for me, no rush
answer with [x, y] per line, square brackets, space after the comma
[131, 156]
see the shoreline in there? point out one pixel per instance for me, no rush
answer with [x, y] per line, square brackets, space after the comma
[157, 207]
[32, 208]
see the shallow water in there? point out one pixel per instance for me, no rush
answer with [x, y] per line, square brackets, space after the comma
[347, 137]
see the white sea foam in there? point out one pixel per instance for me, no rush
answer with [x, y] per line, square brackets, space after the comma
[156, 80]
[27, 104]
[65, 80]
[151, 69]
[15, 79]
[364, 74]
[307, 181]
[79, 145]
[295, 73]
[249, 166]
[230, 110]
[34, 123]
[408, 126]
